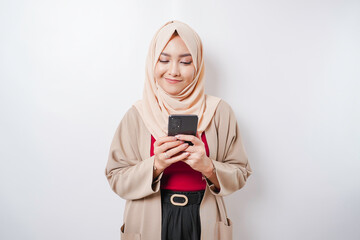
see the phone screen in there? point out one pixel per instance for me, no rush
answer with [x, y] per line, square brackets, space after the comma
[182, 124]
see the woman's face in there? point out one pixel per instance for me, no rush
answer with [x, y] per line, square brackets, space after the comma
[175, 68]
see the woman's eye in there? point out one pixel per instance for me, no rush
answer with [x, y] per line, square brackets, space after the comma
[166, 61]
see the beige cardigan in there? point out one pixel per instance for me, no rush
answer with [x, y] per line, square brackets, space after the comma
[129, 171]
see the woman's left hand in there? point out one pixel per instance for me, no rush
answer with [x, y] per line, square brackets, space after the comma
[197, 158]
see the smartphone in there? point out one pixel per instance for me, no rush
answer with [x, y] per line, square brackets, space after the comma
[182, 124]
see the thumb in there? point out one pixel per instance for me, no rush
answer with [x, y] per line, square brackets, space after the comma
[198, 134]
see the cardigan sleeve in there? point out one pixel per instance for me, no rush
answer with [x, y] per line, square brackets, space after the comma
[130, 176]
[232, 166]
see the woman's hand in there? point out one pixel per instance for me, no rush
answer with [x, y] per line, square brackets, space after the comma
[168, 150]
[197, 158]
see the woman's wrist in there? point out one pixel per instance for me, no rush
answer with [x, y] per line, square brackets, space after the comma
[210, 170]
[157, 170]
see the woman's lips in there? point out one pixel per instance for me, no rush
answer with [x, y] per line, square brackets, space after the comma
[172, 81]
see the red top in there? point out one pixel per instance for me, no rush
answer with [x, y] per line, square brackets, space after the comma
[180, 176]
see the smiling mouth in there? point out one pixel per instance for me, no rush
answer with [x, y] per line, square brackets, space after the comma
[172, 81]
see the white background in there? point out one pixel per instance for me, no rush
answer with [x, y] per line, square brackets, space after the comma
[70, 69]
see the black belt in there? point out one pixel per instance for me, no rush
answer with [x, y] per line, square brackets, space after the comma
[178, 198]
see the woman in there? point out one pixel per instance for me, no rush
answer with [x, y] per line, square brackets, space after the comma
[173, 190]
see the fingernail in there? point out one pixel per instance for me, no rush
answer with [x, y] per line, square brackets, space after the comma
[185, 144]
[177, 137]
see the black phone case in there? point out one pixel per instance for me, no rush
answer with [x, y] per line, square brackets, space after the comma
[182, 124]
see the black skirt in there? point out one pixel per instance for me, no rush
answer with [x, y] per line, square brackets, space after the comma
[180, 215]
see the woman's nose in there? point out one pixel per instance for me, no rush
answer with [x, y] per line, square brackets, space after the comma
[174, 69]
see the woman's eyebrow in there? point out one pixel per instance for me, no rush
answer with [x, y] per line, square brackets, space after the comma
[181, 55]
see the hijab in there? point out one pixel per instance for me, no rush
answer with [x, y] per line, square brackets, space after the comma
[156, 105]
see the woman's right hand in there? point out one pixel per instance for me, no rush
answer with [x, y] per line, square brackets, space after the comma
[169, 150]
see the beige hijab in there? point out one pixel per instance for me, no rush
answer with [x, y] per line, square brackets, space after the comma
[157, 105]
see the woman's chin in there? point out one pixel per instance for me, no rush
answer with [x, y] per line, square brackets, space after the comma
[172, 90]
[172, 93]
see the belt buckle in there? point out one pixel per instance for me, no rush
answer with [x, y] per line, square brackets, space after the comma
[179, 204]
